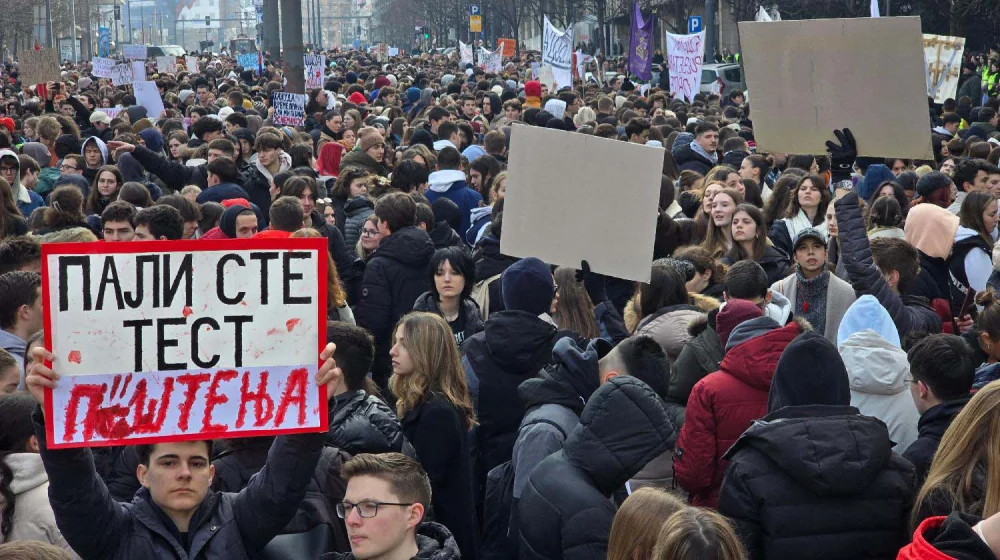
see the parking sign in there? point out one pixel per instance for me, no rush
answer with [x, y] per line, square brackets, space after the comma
[694, 24]
[474, 10]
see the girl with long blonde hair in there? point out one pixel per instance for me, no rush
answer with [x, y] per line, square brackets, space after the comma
[719, 237]
[965, 473]
[435, 411]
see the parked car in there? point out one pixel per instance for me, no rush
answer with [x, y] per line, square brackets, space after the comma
[728, 76]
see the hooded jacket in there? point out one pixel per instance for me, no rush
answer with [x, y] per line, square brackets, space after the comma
[814, 478]
[450, 183]
[91, 172]
[258, 183]
[224, 525]
[930, 429]
[687, 158]
[915, 314]
[434, 542]
[444, 236]
[27, 201]
[947, 538]
[970, 265]
[394, 278]
[725, 403]
[471, 320]
[33, 519]
[878, 370]
[356, 211]
[565, 510]
[361, 160]
[700, 357]
[363, 423]
[669, 327]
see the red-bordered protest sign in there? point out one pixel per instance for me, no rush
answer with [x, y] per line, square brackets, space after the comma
[184, 340]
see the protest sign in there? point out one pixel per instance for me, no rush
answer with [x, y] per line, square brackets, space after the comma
[192, 64]
[289, 108]
[121, 74]
[490, 61]
[39, 67]
[101, 67]
[111, 112]
[314, 68]
[943, 63]
[169, 341]
[557, 52]
[535, 67]
[558, 173]
[546, 78]
[248, 60]
[465, 53]
[640, 45]
[809, 77]
[134, 52]
[685, 58]
[393, 51]
[148, 96]
[138, 70]
[166, 64]
[507, 47]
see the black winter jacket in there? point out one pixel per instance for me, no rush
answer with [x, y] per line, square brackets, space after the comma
[226, 525]
[469, 323]
[700, 357]
[686, 159]
[122, 481]
[363, 423]
[933, 281]
[394, 278]
[865, 277]
[444, 236]
[439, 434]
[930, 428]
[356, 211]
[434, 542]
[565, 511]
[175, 175]
[818, 482]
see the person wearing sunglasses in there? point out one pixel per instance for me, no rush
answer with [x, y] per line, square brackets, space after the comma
[383, 508]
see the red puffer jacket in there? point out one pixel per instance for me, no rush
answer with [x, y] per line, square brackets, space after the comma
[721, 407]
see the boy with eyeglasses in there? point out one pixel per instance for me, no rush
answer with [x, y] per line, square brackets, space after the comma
[10, 171]
[383, 508]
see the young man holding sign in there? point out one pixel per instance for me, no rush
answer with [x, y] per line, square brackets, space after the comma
[175, 515]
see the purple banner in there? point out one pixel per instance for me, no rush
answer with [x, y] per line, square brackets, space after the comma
[640, 47]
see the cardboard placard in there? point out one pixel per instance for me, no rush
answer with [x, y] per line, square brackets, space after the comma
[39, 67]
[315, 66]
[134, 52]
[507, 46]
[121, 74]
[166, 64]
[943, 59]
[809, 77]
[111, 112]
[101, 67]
[138, 70]
[183, 340]
[558, 173]
[192, 64]
[289, 108]
[147, 95]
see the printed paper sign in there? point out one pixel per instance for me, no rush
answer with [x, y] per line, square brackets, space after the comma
[572, 167]
[134, 52]
[138, 70]
[192, 64]
[557, 52]
[685, 58]
[169, 341]
[148, 96]
[289, 108]
[943, 62]
[121, 74]
[39, 67]
[315, 66]
[101, 67]
[166, 64]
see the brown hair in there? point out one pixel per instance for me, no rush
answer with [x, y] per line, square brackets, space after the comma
[438, 368]
[65, 207]
[36, 550]
[714, 236]
[406, 478]
[824, 199]
[637, 523]
[335, 298]
[971, 213]
[574, 310]
[697, 534]
[93, 204]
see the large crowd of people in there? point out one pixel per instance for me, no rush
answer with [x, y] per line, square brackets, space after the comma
[784, 386]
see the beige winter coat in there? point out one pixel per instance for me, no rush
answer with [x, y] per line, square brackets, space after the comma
[33, 517]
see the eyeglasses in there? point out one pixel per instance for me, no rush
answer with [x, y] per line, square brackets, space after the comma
[65, 167]
[369, 232]
[6, 169]
[366, 510]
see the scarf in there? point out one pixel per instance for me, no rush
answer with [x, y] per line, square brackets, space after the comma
[801, 222]
[696, 147]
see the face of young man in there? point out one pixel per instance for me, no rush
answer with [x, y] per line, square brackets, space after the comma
[246, 225]
[512, 114]
[118, 231]
[810, 255]
[142, 233]
[92, 154]
[389, 532]
[709, 141]
[469, 108]
[178, 477]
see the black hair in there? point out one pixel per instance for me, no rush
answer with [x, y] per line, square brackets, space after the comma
[666, 287]
[188, 210]
[144, 452]
[18, 288]
[944, 363]
[884, 212]
[211, 213]
[437, 113]
[119, 211]
[424, 215]
[16, 429]
[891, 254]
[224, 168]
[644, 359]
[354, 354]
[408, 174]
[966, 171]
[18, 251]
[449, 158]
[746, 280]
[206, 125]
[162, 221]
[460, 261]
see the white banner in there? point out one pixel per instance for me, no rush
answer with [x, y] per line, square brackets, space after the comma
[315, 65]
[685, 57]
[102, 67]
[148, 96]
[490, 61]
[138, 70]
[192, 64]
[166, 64]
[943, 64]
[465, 53]
[134, 52]
[557, 52]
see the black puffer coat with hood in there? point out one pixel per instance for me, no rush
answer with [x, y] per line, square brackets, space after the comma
[565, 510]
[363, 423]
[434, 542]
[814, 478]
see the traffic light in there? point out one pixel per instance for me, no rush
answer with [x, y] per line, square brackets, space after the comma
[427, 35]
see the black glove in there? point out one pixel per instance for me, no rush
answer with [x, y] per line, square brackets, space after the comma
[842, 156]
[593, 282]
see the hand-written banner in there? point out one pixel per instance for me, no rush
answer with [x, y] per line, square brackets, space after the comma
[289, 108]
[148, 95]
[248, 61]
[490, 61]
[168, 341]
[102, 67]
[166, 64]
[39, 67]
[121, 74]
[315, 66]
[192, 64]
[685, 58]
[557, 52]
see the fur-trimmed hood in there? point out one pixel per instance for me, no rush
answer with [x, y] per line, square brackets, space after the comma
[706, 304]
